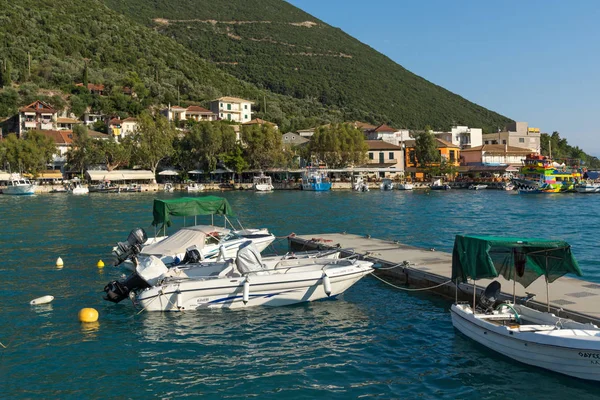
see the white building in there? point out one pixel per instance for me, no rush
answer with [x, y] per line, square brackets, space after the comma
[387, 134]
[462, 136]
[191, 113]
[232, 109]
[37, 115]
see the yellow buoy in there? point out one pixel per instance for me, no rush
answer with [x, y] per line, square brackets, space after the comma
[59, 262]
[100, 264]
[88, 315]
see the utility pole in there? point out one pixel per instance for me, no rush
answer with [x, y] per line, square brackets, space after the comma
[28, 65]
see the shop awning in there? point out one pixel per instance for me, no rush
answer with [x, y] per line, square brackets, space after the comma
[120, 175]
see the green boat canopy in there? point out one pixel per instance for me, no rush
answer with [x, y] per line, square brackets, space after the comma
[189, 207]
[520, 259]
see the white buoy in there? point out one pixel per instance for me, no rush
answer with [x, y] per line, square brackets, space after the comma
[326, 284]
[246, 296]
[41, 300]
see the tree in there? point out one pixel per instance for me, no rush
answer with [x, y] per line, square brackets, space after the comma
[153, 141]
[235, 159]
[426, 151]
[30, 154]
[338, 145]
[263, 146]
[5, 72]
[113, 153]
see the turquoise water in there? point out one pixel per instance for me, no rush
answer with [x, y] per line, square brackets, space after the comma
[373, 342]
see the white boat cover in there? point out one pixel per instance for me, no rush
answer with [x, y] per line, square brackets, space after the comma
[178, 242]
[248, 259]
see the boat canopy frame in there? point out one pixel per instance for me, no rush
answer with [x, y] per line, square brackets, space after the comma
[184, 207]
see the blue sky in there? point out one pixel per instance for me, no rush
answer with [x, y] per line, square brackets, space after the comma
[535, 61]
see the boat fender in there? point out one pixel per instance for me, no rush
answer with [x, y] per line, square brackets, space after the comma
[41, 300]
[246, 295]
[179, 300]
[327, 284]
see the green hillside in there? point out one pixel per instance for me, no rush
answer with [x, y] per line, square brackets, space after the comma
[46, 45]
[278, 47]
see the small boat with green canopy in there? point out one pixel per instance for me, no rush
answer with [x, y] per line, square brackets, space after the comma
[208, 240]
[515, 329]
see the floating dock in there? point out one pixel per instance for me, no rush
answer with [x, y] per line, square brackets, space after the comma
[415, 268]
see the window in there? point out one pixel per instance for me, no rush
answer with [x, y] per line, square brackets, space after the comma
[411, 157]
[486, 142]
[521, 140]
[391, 155]
[228, 106]
[370, 156]
[452, 156]
[221, 105]
[221, 115]
[229, 117]
[245, 106]
[503, 141]
[245, 117]
[381, 158]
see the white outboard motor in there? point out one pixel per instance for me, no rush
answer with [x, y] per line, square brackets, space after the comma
[151, 269]
[248, 259]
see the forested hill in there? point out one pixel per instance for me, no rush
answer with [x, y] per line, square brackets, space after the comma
[285, 50]
[45, 45]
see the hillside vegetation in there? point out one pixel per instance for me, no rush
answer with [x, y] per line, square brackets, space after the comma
[60, 37]
[278, 47]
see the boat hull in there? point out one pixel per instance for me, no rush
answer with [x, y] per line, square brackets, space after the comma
[263, 187]
[317, 187]
[20, 190]
[272, 290]
[575, 357]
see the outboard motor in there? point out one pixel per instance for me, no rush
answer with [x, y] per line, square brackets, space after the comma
[131, 247]
[489, 296]
[119, 290]
[192, 256]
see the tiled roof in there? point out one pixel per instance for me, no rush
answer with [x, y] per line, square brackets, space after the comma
[63, 120]
[498, 148]
[384, 128]
[233, 100]
[97, 135]
[381, 145]
[59, 137]
[258, 121]
[198, 109]
[129, 119]
[440, 143]
[35, 107]
[115, 121]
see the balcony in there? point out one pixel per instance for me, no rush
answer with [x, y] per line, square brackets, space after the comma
[30, 124]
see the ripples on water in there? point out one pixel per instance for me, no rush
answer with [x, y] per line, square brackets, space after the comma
[372, 342]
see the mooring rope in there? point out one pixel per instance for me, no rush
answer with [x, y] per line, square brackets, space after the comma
[409, 289]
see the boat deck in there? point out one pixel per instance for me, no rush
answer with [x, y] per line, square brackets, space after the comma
[418, 267]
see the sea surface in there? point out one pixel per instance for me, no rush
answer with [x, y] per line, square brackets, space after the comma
[372, 342]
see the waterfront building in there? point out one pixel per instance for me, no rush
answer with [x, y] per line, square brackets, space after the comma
[448, 152]
[462, 136]
[232, 109]
[63, 140]
[387, 134]
[499, 154]
[382, 154]
[516, 134]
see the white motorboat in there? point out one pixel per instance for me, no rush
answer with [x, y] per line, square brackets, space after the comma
[479, 186]
[78, 189]
[405, 186]
[386, 184]
[249, 281]
[438, 184]
[588, 187]
[207, 239]
[169, 188]
[194, 187]
[18, 185]
[519, 331]
[262, 183]
[360, 185]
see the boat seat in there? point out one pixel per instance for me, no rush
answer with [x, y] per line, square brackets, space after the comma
[536, 328]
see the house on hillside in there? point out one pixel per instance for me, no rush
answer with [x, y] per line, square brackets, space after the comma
[448, 152]
[191, 113]
[113, 127]
[128, 126]
[387, 134]
[462, 136]
[37, 115]
[516, 134]
[66, 124]
[232, 109]
[382, 154]
[258, 121]
[90, 117]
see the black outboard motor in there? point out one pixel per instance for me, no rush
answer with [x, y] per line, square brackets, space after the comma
[119, 290]
[489, 296]
[192, 256]
[131, 247]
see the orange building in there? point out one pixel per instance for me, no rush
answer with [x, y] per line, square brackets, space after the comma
[447, 150]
